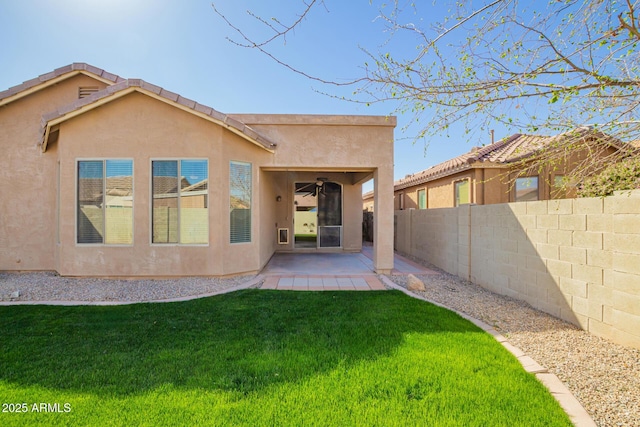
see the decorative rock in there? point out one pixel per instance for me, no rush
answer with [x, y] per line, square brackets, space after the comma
[414, 284]
[15, 295]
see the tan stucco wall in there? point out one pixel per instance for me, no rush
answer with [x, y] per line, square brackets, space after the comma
[270, 212]
[440, 193]
[348, 142]
[38, 230]
[357, 148]
[496, 190]
[28, 194]
[140, 128]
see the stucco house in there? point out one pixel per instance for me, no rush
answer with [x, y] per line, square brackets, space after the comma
[499, 173]
[128, 179]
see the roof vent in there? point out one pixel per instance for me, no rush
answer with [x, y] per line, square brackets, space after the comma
[84, 91]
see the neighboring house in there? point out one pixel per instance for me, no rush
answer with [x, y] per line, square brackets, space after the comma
[496, 173]
[129, 179]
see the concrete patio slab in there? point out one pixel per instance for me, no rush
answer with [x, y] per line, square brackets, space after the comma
[335, 264]
[331, 271]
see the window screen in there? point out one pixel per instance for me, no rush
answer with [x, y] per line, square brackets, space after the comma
[240, 202]
[422, 199]
[90, 204]
[180, 201]
[462, 193]
[105, 202]
[330, 204]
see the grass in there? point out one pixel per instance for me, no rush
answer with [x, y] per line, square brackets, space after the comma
[262, 358]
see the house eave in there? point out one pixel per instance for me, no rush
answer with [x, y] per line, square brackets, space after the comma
[444, 174]
[51, 82]
[228, 123]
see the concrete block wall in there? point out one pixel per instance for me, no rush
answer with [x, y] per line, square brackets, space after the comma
[431, 234]
[577, 259]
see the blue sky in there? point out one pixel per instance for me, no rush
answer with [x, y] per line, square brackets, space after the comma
[181, 45]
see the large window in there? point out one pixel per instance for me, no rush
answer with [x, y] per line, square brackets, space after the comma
[240, 202]
[180, 201]
[526, 189]
[422, 199]
[105, 202]
[462, 192]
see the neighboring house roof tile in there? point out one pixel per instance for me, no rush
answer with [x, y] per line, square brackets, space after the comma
[52, 77]
[90, 189]
[168, 184]
[508, 150]
[127, 86]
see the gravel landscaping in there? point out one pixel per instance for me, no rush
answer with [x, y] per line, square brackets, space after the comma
[48, 286]
[603, 376]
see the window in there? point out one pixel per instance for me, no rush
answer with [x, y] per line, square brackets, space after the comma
[559, 187]
[180, 201]
[462, 192]
[526, 189]
[105, 202]
[240, 202]
[422, 199]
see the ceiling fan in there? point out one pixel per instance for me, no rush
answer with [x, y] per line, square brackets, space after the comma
[315, 188]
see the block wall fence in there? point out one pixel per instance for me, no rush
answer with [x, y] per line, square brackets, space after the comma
[576, 259]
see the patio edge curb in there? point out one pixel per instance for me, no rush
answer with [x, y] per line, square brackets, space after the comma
[573, 408]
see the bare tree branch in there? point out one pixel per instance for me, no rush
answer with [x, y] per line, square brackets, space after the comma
[543, 66]
[261, 46]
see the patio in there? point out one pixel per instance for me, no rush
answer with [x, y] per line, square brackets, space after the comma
[331, 271]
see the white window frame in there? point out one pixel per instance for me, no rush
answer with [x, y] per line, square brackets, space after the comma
[455, 191]
[208, 194]
[240, 162]
[424, 191]
[77, 201]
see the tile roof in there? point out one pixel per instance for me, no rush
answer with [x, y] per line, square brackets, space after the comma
[71, 70]
[168, 184]
[124, 87]
[507, 150]
[90, 189]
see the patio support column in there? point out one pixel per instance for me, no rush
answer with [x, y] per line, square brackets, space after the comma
[383, 220]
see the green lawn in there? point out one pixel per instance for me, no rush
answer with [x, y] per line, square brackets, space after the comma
[263, 358]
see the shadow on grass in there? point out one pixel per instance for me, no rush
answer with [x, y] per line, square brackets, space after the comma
[237, 342]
